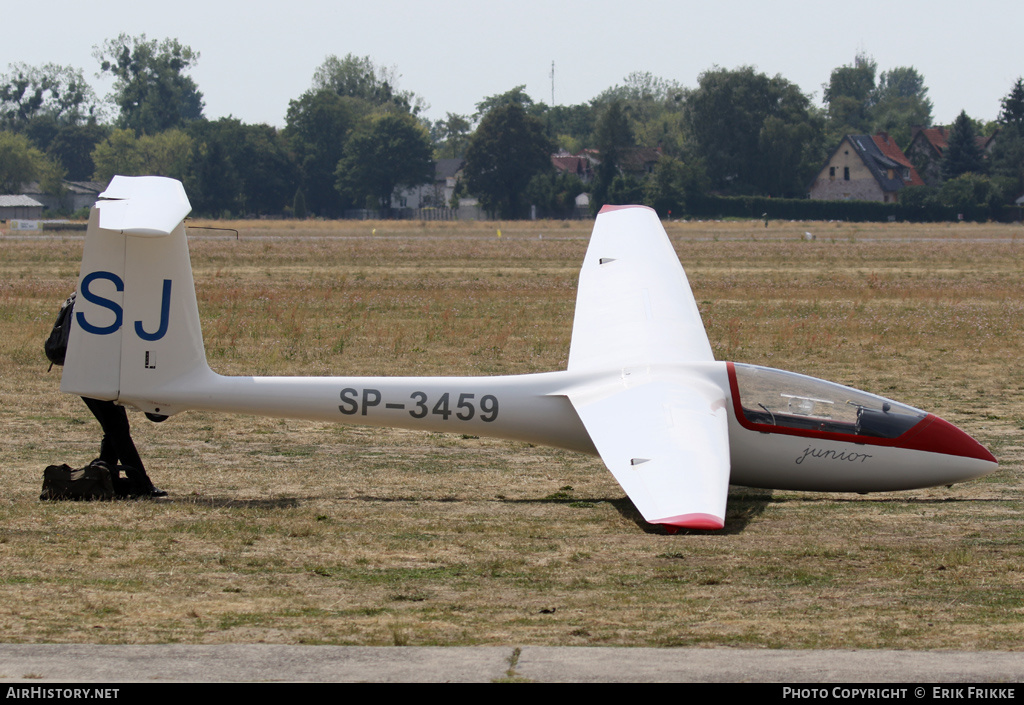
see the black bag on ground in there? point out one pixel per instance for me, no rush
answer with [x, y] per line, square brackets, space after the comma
[62, 482]
[56, 346]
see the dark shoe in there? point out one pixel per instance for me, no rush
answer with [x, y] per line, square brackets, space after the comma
[157, 492]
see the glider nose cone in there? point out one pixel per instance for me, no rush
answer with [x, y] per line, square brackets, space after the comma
[940, 436]
[706, 522]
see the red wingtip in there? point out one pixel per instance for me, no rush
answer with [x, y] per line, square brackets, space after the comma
[706, 522]
[609, 209]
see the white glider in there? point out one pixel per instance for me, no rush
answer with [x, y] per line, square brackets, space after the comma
[642, 388]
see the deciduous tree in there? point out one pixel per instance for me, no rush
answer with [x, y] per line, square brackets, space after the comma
[554, 194]
[754, 133]
[613, 136]
[166, 154]
[451, 135]
[968, 189]
[514, 96]
[900, 101]
[240, 168]
[72, 147]
[654, 107]
[508, 148]
[21, 162]
[672, 184]
[385, 152]
[317, 127]
[59, 93]
[571, 126]
[151, 87]
[861, 102]
[359, 77]
[849, 95]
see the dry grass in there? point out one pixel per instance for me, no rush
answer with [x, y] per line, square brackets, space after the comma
[296, 532]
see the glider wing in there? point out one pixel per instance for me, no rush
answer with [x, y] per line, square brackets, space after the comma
[658, 422]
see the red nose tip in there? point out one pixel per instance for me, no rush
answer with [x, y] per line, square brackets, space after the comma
[935, 435]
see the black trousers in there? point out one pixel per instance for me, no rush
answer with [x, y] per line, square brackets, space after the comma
[117, 447]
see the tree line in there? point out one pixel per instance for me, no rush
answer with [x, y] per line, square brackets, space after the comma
[354, 138]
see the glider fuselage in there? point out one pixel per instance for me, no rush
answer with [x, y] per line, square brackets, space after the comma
[818, 454]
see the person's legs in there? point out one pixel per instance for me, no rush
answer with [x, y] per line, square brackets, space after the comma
[117, 446]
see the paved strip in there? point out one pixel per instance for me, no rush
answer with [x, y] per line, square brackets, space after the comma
[237, 663]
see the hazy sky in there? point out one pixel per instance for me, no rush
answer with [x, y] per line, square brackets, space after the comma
[256, 56]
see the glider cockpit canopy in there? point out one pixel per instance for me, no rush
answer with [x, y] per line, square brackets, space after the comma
[771, 399]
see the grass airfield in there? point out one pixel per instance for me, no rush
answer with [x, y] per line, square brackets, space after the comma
[291, 532]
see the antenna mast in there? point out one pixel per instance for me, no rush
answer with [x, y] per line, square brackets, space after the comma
[552, 83]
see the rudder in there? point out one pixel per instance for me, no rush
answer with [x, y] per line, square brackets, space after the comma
[137, 337]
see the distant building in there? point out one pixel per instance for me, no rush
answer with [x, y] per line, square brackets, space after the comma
[20, 208]
[77, 195]
[865, 168]
[436, 194]
[576, 164]
[633, 161]
[639, 161]
[928, 146]
[446, 178]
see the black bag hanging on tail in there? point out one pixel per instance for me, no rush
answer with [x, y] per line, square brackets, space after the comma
[56, 345]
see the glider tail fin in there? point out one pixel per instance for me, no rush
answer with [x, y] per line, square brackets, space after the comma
[136, 337]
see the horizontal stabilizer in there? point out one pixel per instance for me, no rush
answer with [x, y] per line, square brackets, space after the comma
[143, 205]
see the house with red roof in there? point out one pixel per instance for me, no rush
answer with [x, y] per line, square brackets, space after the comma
[577, 164]
[928, 146]
[634, 161]
[865, 168]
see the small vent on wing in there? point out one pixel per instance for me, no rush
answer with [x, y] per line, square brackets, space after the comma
[606, 260]
[639, 461]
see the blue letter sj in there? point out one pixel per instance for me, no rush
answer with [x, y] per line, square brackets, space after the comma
[165, 315]
[100, 301]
